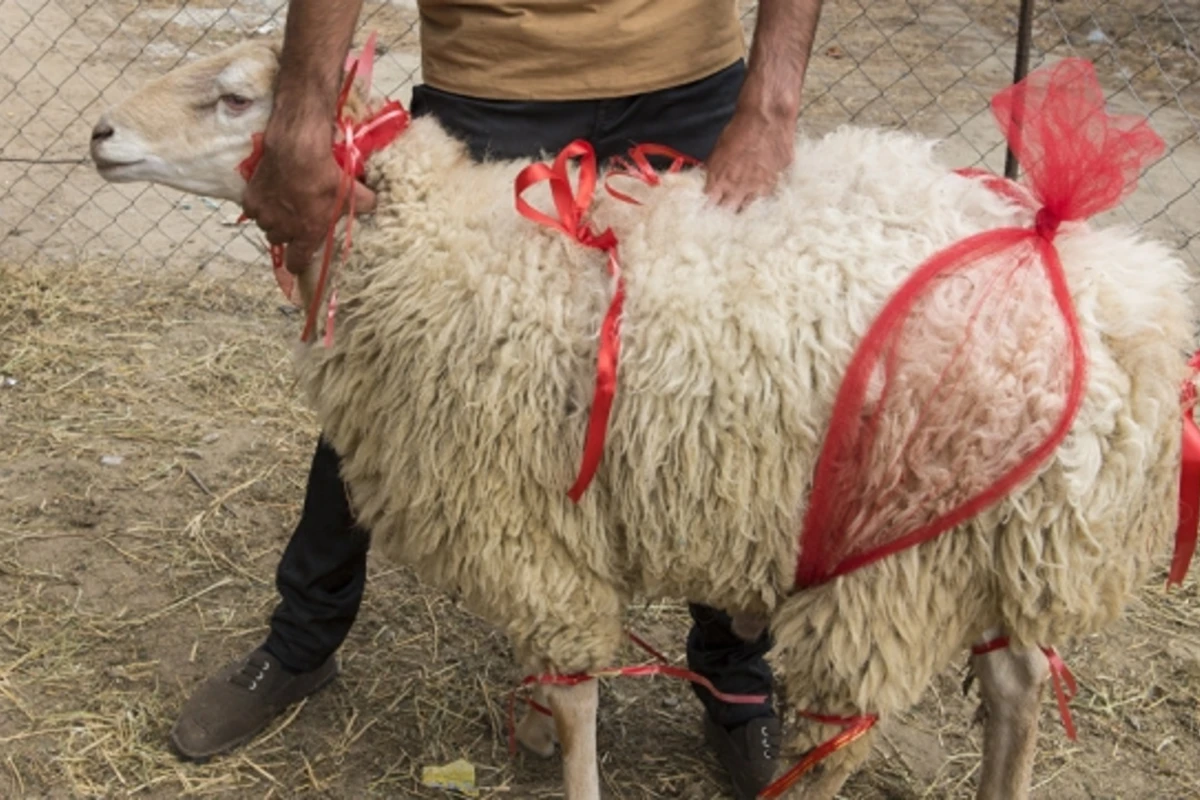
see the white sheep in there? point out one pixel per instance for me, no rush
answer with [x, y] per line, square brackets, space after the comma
[458, 384]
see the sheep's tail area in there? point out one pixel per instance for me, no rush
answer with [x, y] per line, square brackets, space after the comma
[972, 373]
[962, 387]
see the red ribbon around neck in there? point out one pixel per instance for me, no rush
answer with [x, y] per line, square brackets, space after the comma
[572, 208]
[285, 280]
[356, 142]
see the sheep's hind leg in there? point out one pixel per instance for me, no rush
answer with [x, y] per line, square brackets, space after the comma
[1010, 684]
[574, 710]
[536, 731]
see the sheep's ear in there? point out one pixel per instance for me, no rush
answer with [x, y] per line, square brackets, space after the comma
[272, 39]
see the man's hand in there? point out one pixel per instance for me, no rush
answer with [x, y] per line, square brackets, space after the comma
[759, 142]
[748, 159]
[293, 193]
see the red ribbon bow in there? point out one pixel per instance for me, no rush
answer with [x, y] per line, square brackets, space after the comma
[357, 142]
[571, 208]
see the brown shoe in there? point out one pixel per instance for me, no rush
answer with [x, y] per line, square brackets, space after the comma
[231, 707]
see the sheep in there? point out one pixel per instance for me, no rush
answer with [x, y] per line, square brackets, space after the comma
[460, 378]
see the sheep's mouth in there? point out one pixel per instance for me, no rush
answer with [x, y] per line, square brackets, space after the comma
[118, 171]
[107, 165]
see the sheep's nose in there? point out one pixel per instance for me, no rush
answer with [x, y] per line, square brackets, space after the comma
[102, 131]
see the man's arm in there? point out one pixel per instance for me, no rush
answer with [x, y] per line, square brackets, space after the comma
[315, 42]
[294, 189]
[758, 143]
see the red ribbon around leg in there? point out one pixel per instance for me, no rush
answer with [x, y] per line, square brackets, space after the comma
[635, 671]
[853, 728]
[1065, 687]
[571, 208]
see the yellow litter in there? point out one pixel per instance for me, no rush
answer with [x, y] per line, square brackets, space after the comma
[458, 775]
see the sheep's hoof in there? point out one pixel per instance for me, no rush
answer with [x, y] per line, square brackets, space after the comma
[536, 734]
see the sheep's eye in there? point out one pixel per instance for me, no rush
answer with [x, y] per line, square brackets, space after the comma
[236, 103]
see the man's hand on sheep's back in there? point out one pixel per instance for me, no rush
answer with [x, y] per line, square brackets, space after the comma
[293, 192]
[759, 142]
[748, 159]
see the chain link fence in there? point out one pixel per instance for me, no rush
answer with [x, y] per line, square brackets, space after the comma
[927, 65]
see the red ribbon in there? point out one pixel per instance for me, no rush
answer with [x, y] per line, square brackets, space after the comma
[1002, 186]
[815, 563]
[853, 729]
[357, 142]
[1186, 534]
[1189, 482]
[285, 280]
[571, 208]
[1062, 675]
[636, 671]
[638, 166]
[1065, 687]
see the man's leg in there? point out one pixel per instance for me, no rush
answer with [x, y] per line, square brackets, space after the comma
[690, 119]
[322, 574]
[746, 737]
[320, 579]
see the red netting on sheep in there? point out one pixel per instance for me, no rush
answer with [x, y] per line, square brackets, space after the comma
[974, 369]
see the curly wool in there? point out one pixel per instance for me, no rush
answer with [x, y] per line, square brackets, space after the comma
[459, 382]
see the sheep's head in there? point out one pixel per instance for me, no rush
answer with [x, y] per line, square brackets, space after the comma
[190, 128]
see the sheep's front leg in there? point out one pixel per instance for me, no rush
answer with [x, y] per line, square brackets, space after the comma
[574, 710]
[536, 731]
[1010, 683]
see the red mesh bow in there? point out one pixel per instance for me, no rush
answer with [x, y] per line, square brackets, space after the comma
[960, 389]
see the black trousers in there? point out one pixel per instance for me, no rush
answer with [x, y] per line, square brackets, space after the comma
[322, 574]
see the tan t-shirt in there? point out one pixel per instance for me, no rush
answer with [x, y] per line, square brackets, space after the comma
[574, 49]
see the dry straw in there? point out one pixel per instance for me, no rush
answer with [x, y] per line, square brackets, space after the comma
[152, 462]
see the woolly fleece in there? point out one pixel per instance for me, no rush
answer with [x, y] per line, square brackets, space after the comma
[459, 381]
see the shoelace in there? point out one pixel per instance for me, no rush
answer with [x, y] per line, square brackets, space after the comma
[769, 745]
[253, 671]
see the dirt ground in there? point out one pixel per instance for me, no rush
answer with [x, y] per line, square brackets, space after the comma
[153, 453]
[151, 468]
